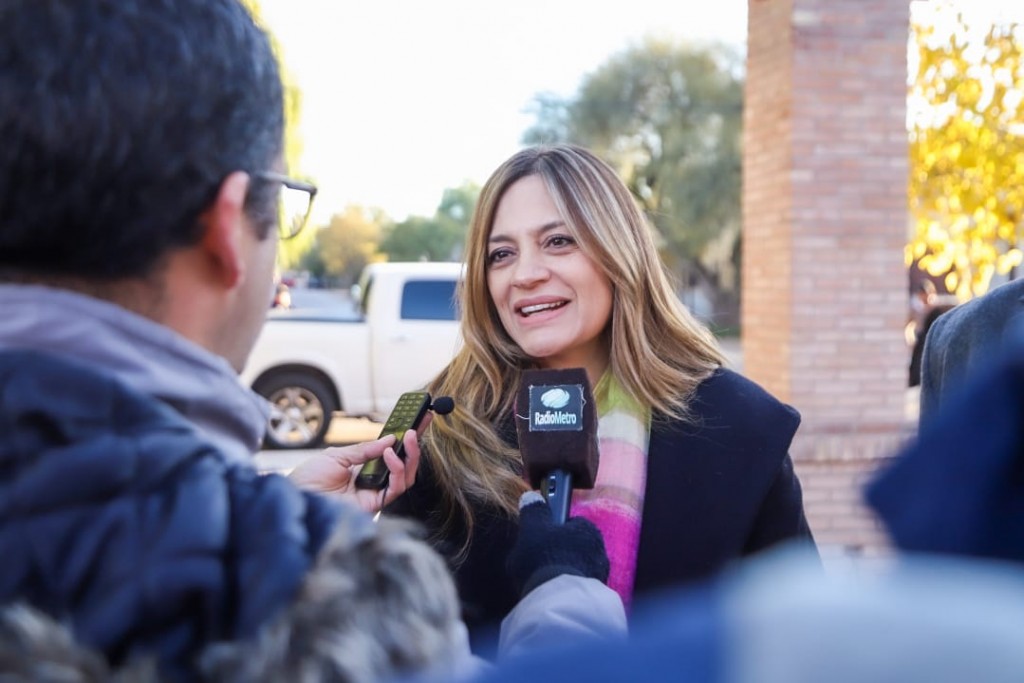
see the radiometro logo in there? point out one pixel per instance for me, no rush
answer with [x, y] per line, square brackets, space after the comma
[556, 408]
[555, 398]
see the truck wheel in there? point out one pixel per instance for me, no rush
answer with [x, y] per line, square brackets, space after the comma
[301, 410]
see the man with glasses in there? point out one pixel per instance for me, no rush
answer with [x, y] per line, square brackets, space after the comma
[141, 199]
[296, 203]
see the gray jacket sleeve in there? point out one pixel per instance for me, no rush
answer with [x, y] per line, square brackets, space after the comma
[565, 609]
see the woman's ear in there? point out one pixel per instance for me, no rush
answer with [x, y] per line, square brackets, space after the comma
[224, 225]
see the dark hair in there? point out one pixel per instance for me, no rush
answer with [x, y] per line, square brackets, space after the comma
[119, 120]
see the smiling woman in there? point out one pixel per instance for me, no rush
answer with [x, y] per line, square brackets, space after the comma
[553, 300]
[561, 272]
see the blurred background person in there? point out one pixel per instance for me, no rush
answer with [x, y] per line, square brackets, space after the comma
[926, 306]
[282, 297]
[965, 339]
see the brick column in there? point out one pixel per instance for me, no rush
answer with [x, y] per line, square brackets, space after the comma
[824, 225]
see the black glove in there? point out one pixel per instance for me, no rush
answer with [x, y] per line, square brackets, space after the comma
[545, 550]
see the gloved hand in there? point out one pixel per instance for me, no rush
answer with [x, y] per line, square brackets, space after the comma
[545, 550]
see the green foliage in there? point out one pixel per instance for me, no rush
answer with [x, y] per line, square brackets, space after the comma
[966, 147]
[440, 238]
[668, 116]
[457, 205]
[422, 239]
[346, 244]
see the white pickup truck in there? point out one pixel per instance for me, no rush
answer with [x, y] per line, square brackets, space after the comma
[309, 364]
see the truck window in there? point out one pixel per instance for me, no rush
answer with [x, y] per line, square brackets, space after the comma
[429, 300]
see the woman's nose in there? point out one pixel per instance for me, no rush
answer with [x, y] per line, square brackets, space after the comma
[530, 270]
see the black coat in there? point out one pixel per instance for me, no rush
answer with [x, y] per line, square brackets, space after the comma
[718, 488]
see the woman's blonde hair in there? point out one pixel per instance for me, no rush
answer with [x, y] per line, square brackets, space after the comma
[659, 351]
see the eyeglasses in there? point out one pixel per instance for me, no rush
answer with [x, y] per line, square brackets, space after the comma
[296, 203]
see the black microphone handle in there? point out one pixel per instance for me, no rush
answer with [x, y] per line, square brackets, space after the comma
[558, 492]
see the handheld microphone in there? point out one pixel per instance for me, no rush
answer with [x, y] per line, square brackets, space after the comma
[443, 405]
[407, 414]
[556, 420]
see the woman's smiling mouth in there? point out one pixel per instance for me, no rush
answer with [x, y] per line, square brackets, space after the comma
[527, 311]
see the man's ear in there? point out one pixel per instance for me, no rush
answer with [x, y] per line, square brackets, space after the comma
[224, 224]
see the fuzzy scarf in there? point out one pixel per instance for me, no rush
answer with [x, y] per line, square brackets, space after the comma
[615, 504]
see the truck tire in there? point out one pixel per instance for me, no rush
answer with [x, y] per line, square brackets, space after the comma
[302, 407]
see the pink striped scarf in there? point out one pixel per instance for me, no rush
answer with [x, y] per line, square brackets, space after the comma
[615, 504]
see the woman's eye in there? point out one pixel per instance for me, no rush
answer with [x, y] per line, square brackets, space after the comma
[559, 241]
[498, 255]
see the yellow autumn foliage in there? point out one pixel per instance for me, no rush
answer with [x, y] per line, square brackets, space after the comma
[966, 184]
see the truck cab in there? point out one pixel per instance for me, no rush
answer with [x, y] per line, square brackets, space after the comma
[414, 330]
[311, 364]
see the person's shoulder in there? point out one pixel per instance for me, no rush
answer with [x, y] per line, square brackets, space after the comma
[91, 410]
[1011, 292]
[995, 305]
[738, 415]
[95, 400]
[728, 392]
[24, 362]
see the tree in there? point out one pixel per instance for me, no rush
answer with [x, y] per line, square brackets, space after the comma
[418, 238]
[347, 243]
[440, 238]
[966, 147]
[291, 252]
[668, 116]
[457, 204]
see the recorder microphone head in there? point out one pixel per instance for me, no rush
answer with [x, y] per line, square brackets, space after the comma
[556, 420]
[443, 405]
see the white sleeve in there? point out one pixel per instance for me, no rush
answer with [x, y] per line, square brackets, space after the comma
[561, 610]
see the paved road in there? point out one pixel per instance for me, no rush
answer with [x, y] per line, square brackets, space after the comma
[322, 299]
[344, 430]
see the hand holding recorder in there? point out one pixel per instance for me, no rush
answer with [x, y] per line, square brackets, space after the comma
[333, 471]
[374, 473]
[411, 412]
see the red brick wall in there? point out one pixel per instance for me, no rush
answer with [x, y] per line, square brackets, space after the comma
[824, 210]
[843, 525]
[767, 275]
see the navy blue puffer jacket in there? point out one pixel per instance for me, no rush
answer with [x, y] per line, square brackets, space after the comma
[117, 519]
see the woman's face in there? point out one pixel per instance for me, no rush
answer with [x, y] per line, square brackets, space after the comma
[553, 300]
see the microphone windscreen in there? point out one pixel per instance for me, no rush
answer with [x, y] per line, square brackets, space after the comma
[556, 420]
[443, 405]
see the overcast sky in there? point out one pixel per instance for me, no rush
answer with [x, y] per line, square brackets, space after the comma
[404, 98]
